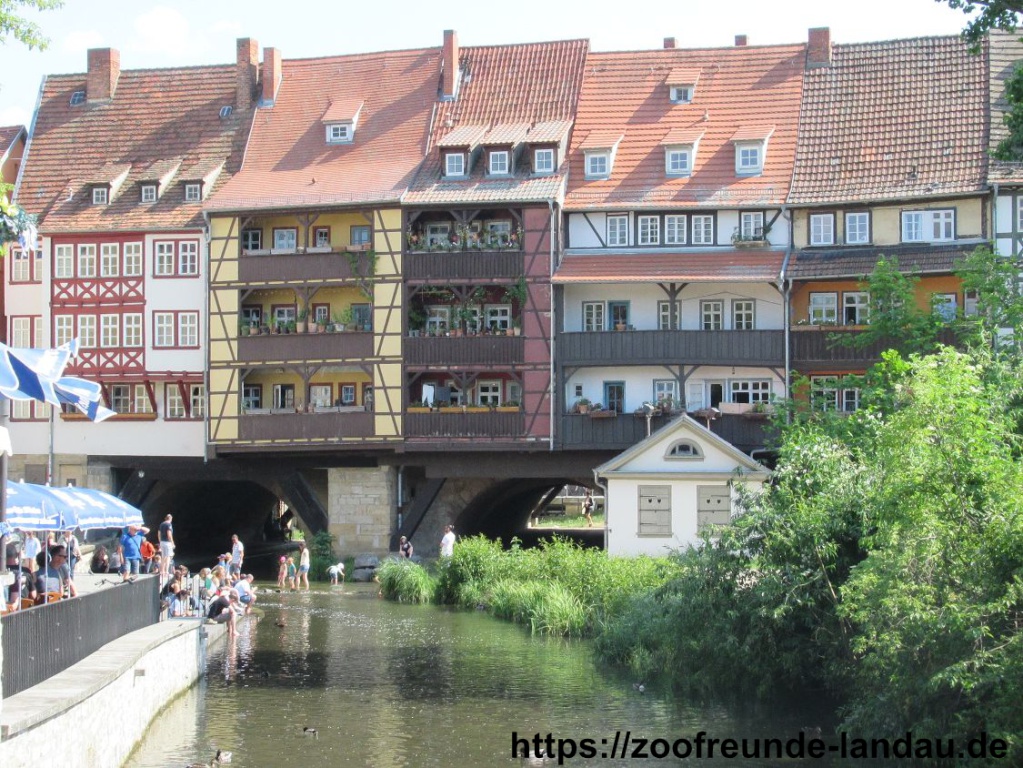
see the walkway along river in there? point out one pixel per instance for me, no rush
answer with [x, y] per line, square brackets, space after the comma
[393, 685]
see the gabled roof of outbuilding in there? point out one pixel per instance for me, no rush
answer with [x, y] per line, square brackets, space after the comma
[155, 115]
[893, 119]
[628, 93]
[8, 136]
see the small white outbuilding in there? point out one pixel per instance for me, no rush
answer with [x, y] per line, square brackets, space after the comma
[667, 488]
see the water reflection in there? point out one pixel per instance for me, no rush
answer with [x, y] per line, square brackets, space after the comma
[389, 685]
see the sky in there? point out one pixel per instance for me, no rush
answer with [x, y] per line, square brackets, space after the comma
[192, 32]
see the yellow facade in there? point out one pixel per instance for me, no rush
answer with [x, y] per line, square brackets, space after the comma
[926, 289]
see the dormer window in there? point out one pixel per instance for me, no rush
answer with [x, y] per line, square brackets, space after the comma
[678, 161]
[193, 193]
[681, 94]
[454, 164]
[499, 163]
[148, 193]
[543, 161]
[597, 165]
[100, 195]
[749, 159]
[339, 133]
[78, 97]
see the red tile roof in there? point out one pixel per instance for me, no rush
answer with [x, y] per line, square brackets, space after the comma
[468, 135]
[156, 115]
[536, 84]
[680, 136]
[1004, 50]
[721, 266]
[832, 263]
[8, 135]
[342, 110]
[288, 162]
[892, 119]
[506, 133]
[753, 133]
[627, 92]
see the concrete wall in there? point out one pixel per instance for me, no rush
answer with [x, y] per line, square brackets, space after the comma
[129, 680]
[361, 508]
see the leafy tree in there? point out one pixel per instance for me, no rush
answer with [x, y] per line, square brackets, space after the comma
[1011, 147]
[994, 14]
[996, 279]
[13, 25]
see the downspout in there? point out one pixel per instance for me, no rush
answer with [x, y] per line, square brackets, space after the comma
[554, 326]
[786, 293]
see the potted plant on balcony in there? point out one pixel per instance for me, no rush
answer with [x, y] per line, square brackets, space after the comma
[244, 328]
[418, 406]
[517, 292]
[291, 327]
[300, 323]
[759, 411]
[582, 405]
[508, 406]
[598, 411]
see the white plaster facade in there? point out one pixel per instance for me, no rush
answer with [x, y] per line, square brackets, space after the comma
[658, 500]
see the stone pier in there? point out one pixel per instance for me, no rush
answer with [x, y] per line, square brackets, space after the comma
[361, 507]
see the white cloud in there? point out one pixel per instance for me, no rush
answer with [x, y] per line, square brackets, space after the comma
[81, 40]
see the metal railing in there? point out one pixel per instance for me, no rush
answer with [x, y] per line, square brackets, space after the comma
[41, 642]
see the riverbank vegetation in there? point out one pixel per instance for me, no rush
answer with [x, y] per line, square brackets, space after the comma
[558, 588]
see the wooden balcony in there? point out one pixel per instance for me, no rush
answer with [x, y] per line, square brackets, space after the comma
[444, 266]
[484, 425]
[655, 347]
[299, 427]
[272, 267]
[625, 430]
[821, 348]
[464, 350]
[347, 345]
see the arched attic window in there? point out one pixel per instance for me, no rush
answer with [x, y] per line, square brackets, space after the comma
[683, 449]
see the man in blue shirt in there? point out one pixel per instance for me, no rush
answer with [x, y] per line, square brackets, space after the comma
[130, 548]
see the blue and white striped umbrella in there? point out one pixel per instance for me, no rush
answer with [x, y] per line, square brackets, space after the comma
[32, 507]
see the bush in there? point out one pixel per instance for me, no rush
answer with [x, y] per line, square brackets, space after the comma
[405, 581]
[321, 555]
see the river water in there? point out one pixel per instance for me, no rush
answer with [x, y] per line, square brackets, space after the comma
[391, 685]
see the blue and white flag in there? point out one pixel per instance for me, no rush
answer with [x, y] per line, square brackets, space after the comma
[38, 374]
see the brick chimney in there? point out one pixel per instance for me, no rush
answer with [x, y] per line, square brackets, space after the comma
[669, 42]
[449, 66]
[271, 76]
[104, 69]
[818, 50]
[246, 71]
[741, 40]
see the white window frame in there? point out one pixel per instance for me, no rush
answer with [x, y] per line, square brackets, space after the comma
[131, 335]
[454, 165]
[857, 304]
[946, 306]
[749, 159]
[252, 396]
[712, 315]
[543, 161]
[63, 329]
[63, 262]
[21, 266]
[438, 317]
[497, 316]
[163, 330]
[110, 260]
[678, 161]
[188, 257]
[252, 239]
[823, 308]
[665, 388]
[594, 316]
[664, 316]
[338, 133]
[100, 195]
[21, 332]
[86, 260]
[346, 394]
[648, 230]
[703, 229]
[744, 314]
[822, 229]
[132, 255]
[174, 405]
[933, 226]
[681, 94]
[500, 162]
[109, 331]
[193, 192]
[598, 165]
[286, 239]
[148, 193]
[188, 329]
[617, 230]
[321, 395]
[755, 390]
[164, 258]
[676, 230]
[87, 331]
[751, 225]
[488, 392]
[857, 228]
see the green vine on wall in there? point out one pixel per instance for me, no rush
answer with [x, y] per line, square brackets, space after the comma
[364, 279]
